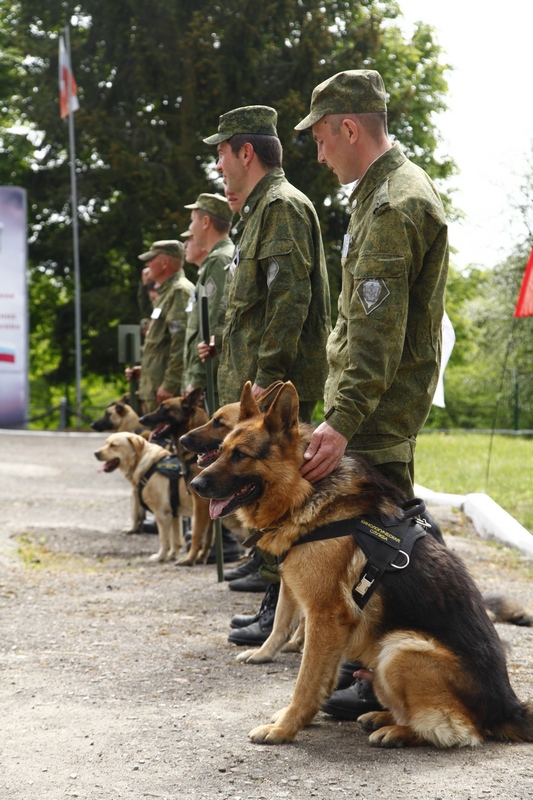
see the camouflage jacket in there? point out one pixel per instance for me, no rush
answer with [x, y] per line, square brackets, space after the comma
[162, 355]
[278, 314]
[384, 352]
[212, 276]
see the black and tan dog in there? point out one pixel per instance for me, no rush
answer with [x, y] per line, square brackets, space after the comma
[119, 416]
[175, 417]
[438, 664]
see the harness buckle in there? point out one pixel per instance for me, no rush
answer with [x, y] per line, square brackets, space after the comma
[363, 586]
[423, 522]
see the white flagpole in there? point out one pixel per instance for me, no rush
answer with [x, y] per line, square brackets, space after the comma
[75, 240]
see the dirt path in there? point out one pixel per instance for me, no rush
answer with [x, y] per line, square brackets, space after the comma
[117, 680]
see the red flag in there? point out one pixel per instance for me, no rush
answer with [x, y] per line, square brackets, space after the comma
[524, 305]
[65, 75]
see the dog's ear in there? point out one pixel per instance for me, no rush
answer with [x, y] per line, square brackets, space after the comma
[120, 408]
[264, 401]
[249, 407]
[194, 398]
[137, 442]
[282, 416]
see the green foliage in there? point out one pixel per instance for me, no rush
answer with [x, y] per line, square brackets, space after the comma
[459, 464]
[153, 80]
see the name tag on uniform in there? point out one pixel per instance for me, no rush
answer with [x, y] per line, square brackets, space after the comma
[156, 313]
[345, 245]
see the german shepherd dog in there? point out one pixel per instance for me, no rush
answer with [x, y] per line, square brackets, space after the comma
[175, 417]
[439, 666]
[119, 416]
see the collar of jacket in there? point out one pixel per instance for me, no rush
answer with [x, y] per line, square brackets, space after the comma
[273, 177]
[378, 172]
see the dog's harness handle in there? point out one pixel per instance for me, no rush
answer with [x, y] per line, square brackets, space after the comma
[170, 467]
[386, 542]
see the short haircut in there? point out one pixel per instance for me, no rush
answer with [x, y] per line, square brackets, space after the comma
[374, 123]
[268, 149]
[219, 224]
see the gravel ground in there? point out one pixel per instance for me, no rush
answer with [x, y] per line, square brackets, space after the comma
[117, 680]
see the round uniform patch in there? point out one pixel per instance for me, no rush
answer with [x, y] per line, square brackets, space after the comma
[174, 326]
[372, 293]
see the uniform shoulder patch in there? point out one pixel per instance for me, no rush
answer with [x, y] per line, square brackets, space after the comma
[372, 292]
[210, 287]
[174, 326]
[273, 269]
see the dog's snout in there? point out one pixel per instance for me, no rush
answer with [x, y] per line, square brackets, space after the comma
[200, 485]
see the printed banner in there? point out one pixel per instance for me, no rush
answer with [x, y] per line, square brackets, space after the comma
[13, 309]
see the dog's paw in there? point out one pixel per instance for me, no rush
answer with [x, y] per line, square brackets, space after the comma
[292, 647]
[278, 714]
[185, 561]
[160, 556]
[373, 720]
[270, 734]
[253, 657]
[394, 736]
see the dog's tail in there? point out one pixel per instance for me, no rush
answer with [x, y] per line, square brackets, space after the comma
[503, 609]
[519, 728]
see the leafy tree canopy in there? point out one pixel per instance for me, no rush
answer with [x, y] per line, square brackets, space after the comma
[153, 79]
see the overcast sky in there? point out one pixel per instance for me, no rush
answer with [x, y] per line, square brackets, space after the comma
[488, 130]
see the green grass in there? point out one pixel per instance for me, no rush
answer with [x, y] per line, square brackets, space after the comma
[457, 463]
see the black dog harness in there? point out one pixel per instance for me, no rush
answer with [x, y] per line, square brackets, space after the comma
[386, 542]
[170, 467]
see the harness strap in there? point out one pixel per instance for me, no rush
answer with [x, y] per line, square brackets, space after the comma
[386, 542]
[170, 467]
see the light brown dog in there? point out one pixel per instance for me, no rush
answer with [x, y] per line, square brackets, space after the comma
[134, 456]
[174, 418]
[438, 664]
[120, 416]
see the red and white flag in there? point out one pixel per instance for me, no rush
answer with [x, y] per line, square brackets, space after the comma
[66, 76]
[524, 305]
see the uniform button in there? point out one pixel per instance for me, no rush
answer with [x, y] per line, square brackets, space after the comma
[354, 204]
[246, 209]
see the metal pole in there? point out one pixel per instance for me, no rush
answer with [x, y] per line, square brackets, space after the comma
[75, 241]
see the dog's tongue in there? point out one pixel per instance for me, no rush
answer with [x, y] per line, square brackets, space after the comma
[216, 507]
[101, 467]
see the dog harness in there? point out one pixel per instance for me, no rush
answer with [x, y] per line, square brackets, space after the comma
[170, 467]
[386, 542]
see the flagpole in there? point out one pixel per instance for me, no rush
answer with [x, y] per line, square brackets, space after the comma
[75, 240]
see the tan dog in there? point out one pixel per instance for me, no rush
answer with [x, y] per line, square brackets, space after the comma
[438, 664]
[134, 456]
[120, 416]
[175, 417]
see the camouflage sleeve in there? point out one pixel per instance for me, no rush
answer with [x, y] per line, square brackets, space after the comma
[176, 323]
[286, 257]
[368, 341]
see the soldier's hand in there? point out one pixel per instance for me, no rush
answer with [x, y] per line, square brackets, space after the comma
[324, 453]
[206, 351]
[132, 372]
[162, 394]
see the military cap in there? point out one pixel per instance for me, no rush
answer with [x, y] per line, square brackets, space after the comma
[186, 234]
[356, 91]
[248, 119]
[214, 204]
[166, 247]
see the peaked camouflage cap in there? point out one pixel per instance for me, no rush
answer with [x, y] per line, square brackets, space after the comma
[215, 204]
[356, 91]
[248, 119]
[186, 234]
[166, 247]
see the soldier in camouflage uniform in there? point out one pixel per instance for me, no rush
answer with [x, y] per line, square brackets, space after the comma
[162, 355]
[384, 353]
[210, 225]
[278, 315]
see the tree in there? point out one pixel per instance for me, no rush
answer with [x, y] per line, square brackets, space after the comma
[153, 80]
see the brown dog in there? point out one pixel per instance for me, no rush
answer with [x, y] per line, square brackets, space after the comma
[134, 456]
[439, 666]
[120, 416]
[175, 417]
